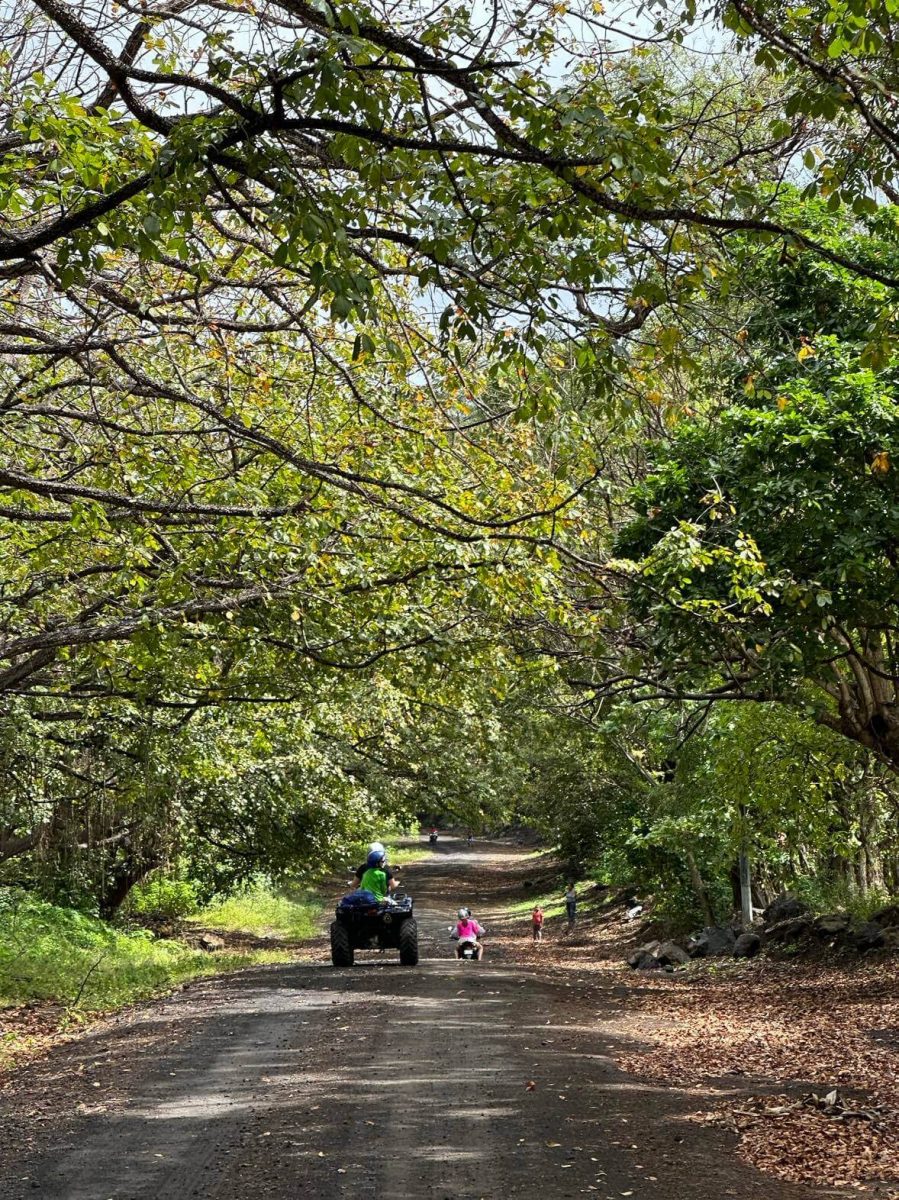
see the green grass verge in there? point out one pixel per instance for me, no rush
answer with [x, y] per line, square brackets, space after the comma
[401, 856]
[551, 903]
[80, 962]
[263, 913]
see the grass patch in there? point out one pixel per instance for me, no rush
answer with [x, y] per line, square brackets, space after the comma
[264, 913]
[551, 903]
[401, 856]
[62, 955]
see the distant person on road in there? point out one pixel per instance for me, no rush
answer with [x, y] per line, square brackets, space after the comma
[537, 923]
[571, 905]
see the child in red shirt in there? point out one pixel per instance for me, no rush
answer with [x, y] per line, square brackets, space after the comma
[537, 922]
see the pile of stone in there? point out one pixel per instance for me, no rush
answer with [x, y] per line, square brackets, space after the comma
[787, 924]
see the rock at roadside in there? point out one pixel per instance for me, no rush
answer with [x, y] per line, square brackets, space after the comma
[642, 960]
[831, 925]
[652, 948]
[784, 908]
[888, 917]
[713, 942]
[670, 954]
[210, 942]
[797, 929]
[747, 945]
[869, 936]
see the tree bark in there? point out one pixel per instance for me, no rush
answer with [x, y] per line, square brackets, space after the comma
[700, 889]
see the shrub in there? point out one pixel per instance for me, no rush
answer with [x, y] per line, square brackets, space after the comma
[259, 910]
[53, 953]
[161, 898]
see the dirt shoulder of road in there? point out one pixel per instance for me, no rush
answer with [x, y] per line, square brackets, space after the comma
[784, 1033]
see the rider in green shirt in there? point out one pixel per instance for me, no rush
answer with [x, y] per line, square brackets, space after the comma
[374, 879]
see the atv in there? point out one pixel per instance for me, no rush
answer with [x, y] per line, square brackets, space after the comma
[362, 924]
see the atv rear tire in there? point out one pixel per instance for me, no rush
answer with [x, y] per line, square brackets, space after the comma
[408, 940]
[341, 950]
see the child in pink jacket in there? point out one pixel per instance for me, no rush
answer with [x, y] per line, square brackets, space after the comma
[467, 930]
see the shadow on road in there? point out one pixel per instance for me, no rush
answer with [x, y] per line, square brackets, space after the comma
[452, 1079]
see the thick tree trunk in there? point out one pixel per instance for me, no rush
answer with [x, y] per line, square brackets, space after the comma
[866, 693]
[122, 878]
[12, 846]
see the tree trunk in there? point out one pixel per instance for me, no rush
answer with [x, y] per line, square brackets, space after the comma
[121, 879]
[700, 889]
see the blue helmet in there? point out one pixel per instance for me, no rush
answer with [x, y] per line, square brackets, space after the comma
[375, 858]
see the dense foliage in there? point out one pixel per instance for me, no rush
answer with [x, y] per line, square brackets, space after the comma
[482, 412]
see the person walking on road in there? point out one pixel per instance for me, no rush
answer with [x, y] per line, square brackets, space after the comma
[571, 906]
[537, 923]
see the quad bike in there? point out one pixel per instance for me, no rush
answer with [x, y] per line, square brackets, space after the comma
[432, 838]
[466, 951]
[385, 925]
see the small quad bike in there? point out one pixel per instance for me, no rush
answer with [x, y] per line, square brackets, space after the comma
[468, 952]
[361, 924]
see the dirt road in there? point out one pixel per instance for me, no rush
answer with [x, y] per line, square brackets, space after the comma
[380, 1081]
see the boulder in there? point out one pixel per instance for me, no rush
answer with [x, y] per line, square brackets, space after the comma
[794, 930]
[210, 942]
[714, 941]
[868, 936]
[831, 925]
[642, 960]
[670, 954]
[888, 917]
[891, 938]
[651, 948]
[747, 945]
[784, 908]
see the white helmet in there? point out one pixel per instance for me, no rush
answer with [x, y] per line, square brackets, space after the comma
[376, 848]
[464, 913]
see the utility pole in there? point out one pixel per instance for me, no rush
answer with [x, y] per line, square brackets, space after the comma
[745, 877]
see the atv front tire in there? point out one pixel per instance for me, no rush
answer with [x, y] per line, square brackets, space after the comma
[341, 950]
[408, 940]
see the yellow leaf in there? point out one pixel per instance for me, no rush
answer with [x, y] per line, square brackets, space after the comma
[880, 464]
[805, 352]
[782, 402]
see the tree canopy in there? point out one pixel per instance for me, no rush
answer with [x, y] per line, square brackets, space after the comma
[386, 393]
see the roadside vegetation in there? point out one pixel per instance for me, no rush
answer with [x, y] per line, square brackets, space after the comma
[265, 913]
[85, 965]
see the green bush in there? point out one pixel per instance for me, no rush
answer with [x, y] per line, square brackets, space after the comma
[261, 911]
[824, 895]
[161, 898]
[60, 954]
